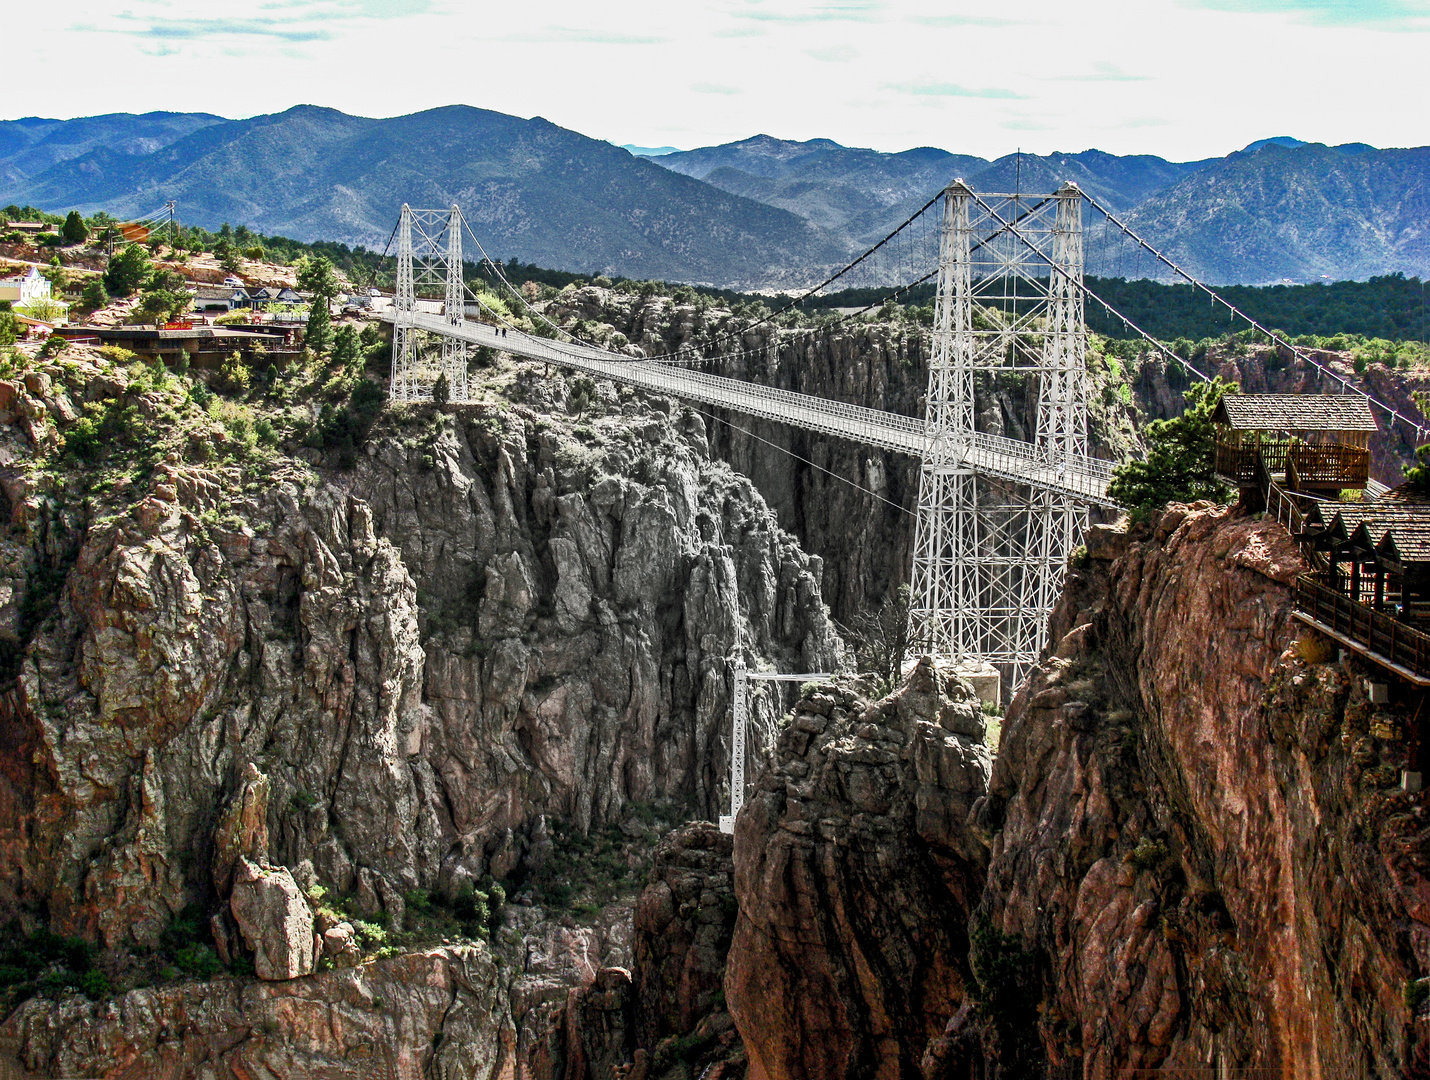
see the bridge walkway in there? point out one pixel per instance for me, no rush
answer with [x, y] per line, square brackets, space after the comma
[1085, 479]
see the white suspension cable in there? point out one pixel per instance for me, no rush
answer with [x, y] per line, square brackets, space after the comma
[1345, 384]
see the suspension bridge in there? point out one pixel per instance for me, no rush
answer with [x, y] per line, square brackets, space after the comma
[997, 517]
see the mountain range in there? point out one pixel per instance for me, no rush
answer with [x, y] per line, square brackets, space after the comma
[759, 212]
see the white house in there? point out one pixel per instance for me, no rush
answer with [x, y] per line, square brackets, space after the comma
[26, 284]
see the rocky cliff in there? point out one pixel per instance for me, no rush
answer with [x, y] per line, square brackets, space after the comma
[1198, 842]
[271, 710]
[855, 879]
[882, 362]
[1193, 851]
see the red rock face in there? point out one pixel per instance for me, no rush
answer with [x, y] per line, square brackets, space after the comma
[683, 923]
[849, 951]
[1195, 835]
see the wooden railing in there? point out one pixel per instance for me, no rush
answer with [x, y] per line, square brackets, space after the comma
[1378, 633]
[1345, 465]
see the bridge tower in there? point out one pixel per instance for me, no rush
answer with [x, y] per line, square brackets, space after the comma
[988, 554]
[429, 256]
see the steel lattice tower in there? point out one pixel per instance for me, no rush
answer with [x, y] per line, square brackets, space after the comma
[989, 555]
[429, 253]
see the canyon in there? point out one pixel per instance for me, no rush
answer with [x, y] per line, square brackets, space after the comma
[400, 758]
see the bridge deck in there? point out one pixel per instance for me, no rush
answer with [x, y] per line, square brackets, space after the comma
[1007, 459]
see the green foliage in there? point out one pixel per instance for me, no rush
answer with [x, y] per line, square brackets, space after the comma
[234, 376]
[43, 309]
[302, 801]
[318, 333]
[345, 429]
[1392, 306]
[95, 295]
[587, 870]
[9, 328]
[227, 256]
[317, 275]
[1180, 463]
[1417, 992]
[347, 350]
[164, 298]
[441, 392]
[74, 230]
[1007, 988]
[1149, 855]
[128, 270]
[46, 963]
[1418, 475]
[197, 960]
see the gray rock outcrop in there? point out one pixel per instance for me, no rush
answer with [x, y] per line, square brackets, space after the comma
[275, 920]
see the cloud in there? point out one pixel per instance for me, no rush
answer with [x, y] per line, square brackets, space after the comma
[572, 35]
[213, 28]
[836, 11]
[714, 88]
[942, 89]
[1103, 72]
[203, 29]
[347, 9]
[960, 20]
[834, 54]
[1380, 14]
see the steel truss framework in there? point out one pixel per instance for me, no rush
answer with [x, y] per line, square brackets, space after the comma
[429, 257]
[989, 554]
[739, 722]
[997, 516]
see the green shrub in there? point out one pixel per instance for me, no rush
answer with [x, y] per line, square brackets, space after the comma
[302, 801]
[369, 934]
[234, 376]
[1150, 855]
[83, 439]
[1417, 991]
[471, 908]
[197, 960]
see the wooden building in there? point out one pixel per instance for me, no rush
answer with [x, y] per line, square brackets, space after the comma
[1319, 443]
[1369, 588]
[1375, 551]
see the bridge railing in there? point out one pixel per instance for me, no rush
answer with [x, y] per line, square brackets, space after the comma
[1389, 639]
[1009, 459]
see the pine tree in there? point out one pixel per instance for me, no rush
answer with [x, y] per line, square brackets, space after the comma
[441, 391]
[319, 333]
[1181, 458]
[347, 349]
[74, 230]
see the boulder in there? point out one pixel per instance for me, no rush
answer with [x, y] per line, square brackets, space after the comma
[275, 920]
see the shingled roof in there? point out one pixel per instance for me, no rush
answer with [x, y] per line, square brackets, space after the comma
[1402, 513]
[1296, 412]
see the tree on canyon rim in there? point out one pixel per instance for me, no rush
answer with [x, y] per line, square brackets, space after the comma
[1181, 457]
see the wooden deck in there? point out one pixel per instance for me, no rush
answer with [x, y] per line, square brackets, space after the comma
[1375, 635]
[1336, 466]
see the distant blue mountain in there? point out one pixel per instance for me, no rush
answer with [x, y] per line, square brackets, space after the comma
[1275, 140]
[760, 211]
[650, 151]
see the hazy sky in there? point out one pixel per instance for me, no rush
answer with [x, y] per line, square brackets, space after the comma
[1180, 78]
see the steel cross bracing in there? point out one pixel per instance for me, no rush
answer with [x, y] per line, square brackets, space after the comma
[997, 516]
[429, 253]
[739, 722]
[989, 557]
